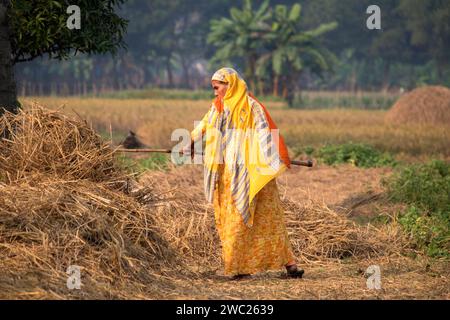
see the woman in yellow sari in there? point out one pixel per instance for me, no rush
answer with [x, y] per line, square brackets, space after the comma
[243, 156]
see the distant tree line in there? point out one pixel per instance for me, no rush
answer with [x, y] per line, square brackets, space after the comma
[280, 46]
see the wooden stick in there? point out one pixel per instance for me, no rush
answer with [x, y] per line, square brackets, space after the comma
[307, 163]
[144, 150]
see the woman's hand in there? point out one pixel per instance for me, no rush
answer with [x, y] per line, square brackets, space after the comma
[189, 149]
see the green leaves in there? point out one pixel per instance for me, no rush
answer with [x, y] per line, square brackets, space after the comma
[358, 154]
[39, 27]
[281, 12]
[425, 185]
[236, 14]
[294, 15]
[277, 61]
[273, 36]
[322, 29]
[292, 49]
[426, 189]
[240, 36]
[263, 12]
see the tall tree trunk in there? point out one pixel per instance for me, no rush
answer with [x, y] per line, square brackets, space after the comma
[353, 80]
[276, 80]
[187, 77]
[386, 77]
[284, 85]
[292, 87]
[24, 88]
[441, 65]
[115, 85]
[169, 72]
[260, 87]
[251, 71]
[8, 96]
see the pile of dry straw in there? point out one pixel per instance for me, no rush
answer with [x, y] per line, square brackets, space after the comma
[65, 201]
[428, 105]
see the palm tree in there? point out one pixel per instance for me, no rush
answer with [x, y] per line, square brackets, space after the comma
[241, 35]
[290, 50]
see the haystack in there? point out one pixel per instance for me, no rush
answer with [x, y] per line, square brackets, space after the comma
[64, 202]
[425, 105]
[47, 141]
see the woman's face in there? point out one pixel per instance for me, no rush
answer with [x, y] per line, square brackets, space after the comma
[220, 88]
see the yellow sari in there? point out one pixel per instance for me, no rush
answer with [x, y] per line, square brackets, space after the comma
[240, 173]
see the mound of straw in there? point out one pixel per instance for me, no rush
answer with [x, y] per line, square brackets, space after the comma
[46, 141]
[424, 105]
[62, 204]
[319, 234]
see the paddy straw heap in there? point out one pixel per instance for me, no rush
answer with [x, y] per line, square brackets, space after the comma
[63, 202]
[429, 105]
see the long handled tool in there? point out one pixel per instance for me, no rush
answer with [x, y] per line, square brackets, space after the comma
[307, 163]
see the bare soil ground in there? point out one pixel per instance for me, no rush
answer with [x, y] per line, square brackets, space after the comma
[331, 185]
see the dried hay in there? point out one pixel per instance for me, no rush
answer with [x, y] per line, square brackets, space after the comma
[183, 216]
[62, 203]
[47, 225]
[424, 105]
[320, 235]
[46, 141]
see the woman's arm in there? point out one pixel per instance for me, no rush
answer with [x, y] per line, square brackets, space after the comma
[199, 130]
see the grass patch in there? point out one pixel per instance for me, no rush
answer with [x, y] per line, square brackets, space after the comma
[172, 94]
[140, 165]
[378, 220]
[358, 154]
[160, 94]
[426, 190]
[326, 101]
